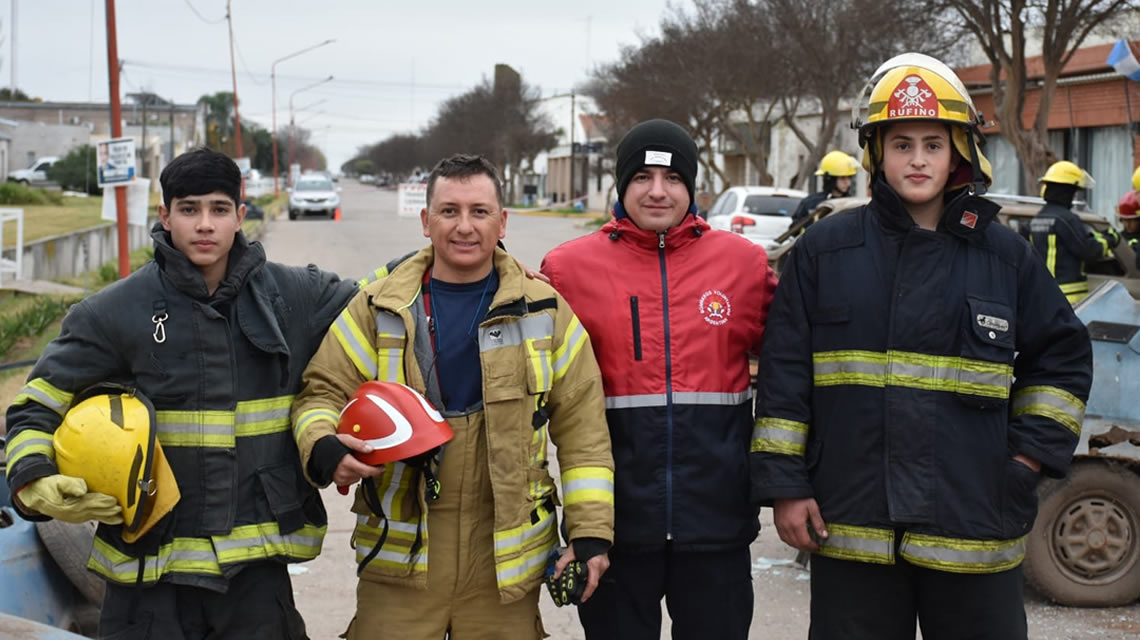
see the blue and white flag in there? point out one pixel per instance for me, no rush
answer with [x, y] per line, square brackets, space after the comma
[1124, 61]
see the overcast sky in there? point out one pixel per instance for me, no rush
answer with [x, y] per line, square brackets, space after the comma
[393, 62]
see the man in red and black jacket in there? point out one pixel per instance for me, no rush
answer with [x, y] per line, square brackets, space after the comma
[673, 310]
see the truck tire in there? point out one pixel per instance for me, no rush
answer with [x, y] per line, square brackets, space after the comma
[1084, 550]
[69, 545]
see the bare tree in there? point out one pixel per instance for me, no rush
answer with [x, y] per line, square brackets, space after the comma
[1002, 28]
[835, 46]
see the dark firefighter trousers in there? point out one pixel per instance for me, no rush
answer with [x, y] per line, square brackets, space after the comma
[858, 600]
[258, 605]
[708, 595]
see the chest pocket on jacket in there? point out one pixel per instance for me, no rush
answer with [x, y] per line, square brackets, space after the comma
[516, 348]
[985, 371]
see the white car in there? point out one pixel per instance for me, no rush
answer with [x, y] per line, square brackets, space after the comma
[758, 213]
[34, 174]
[313, 194]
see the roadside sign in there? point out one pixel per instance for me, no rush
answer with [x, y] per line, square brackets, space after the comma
[138, 200]
[411, 199]
[243, 165]
[116, 161]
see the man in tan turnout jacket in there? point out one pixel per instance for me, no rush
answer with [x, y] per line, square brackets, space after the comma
[510, 366]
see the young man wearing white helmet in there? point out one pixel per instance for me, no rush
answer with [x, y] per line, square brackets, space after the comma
[930, 370]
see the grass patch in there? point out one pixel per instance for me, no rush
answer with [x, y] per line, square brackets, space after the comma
[41, 221]
[31, 319]
[16, 193]
[108, 273]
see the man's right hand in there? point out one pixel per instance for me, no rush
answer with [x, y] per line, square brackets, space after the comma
[67, 499]
[794, 518]
[349, 470]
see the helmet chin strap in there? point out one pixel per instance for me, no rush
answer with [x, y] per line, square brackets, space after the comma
[978, 183]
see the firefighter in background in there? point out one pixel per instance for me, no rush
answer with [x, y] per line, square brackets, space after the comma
[838, 171]
[1065, 243]
[927, 373]
[1128, 211]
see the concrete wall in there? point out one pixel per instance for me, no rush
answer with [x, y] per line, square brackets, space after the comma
[72, 254]
[34, 140]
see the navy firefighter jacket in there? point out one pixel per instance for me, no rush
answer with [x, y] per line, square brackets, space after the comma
[903, 370]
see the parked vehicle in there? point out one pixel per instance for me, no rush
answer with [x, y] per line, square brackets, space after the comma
[1084, 549]
[36, 173]
[44, 583]
[760, 214]
[313, 195]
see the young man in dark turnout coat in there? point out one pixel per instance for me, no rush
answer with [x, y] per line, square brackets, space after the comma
[922, 368]
[216, 337]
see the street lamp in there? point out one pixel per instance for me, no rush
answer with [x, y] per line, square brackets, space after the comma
[273, 76]
[292, 126]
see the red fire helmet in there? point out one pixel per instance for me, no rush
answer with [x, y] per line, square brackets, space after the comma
[1128, 207]
[395, 419]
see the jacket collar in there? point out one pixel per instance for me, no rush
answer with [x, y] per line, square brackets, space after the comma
[688, 231]
[963, 215]
[245, 259]
[401, 288]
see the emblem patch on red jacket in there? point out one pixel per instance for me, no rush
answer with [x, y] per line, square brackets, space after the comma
[969, 219]
[715, 307]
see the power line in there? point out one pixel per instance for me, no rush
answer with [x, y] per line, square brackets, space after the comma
[203, 18]
[339, 80]
[245, 66]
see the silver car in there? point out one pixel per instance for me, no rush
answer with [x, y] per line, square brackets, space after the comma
[313, 195]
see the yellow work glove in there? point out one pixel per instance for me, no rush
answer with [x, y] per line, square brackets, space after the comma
[66, 498]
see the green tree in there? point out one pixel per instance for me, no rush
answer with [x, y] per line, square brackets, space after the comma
[7, 95]
[76, 171]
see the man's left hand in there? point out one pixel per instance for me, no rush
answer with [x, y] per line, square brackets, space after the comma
[595, 568]
[1029, 462]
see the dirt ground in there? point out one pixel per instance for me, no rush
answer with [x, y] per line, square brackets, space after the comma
[325, 592]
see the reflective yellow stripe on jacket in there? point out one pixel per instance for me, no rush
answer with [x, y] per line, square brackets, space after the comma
[776, 435]
[390, 338]
[521, 552]
[1050, 402]
[207, 556]
[28, 442]
[587, 484]
[392, 488]
[1075, 291]
[215, 428]
[913, 370]
[43, 392]
[956, 555]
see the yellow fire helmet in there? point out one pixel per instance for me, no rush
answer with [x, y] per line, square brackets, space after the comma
[837, 164]
[1065, 172]
[914, 86]
[108, 438]
[1136, 179]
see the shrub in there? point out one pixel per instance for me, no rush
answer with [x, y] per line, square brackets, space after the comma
[76, 171]
[16, 193]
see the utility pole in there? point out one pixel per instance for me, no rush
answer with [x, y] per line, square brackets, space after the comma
[233, 73]
[12, 75]
[142, 143]
[117, 132]
[273, 79]
[572, 189]
[171, 158]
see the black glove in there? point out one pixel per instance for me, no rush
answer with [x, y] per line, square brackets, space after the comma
[569, 587]
[1111, 236]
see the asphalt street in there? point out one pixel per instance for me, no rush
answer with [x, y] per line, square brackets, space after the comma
[370, 234]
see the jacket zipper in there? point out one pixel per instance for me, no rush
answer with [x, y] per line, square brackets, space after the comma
[636, 315]
[668, 391]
